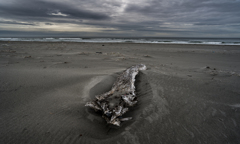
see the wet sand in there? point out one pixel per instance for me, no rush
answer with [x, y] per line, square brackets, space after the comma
[188, 94]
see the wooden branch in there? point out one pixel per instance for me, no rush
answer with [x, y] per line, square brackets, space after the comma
[115, 103]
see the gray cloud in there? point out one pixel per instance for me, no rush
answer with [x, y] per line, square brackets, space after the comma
[190, 10]
[17, 23]
[48, 24]
[145, 17]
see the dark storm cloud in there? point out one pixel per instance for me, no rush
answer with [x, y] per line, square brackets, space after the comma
[192, 17]
[33, 9]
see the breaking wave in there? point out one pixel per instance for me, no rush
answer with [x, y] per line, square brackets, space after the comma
[207, 41]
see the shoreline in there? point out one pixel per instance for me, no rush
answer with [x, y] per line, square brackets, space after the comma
[201, 44]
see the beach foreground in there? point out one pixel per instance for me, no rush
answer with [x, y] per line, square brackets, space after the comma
[188, 94]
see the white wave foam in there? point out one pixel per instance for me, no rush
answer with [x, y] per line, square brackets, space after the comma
[70, 38]
[132, 40]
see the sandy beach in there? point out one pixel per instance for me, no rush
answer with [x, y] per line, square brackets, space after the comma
[188, 94]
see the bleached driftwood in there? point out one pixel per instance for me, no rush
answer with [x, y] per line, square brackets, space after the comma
[115, 103]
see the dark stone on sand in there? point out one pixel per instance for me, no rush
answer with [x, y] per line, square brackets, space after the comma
[147, 56]
[27, 56]
[24, 129]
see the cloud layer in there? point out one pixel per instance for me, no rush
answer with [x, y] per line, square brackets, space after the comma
[155, 18]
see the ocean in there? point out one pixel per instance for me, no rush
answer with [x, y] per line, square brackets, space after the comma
[208, 41]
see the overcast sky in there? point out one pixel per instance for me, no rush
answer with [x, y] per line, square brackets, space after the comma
[120, 18]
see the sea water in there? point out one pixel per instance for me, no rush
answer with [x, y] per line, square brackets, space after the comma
[208, 41]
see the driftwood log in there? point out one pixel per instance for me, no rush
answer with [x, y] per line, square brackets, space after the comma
[115, 103]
